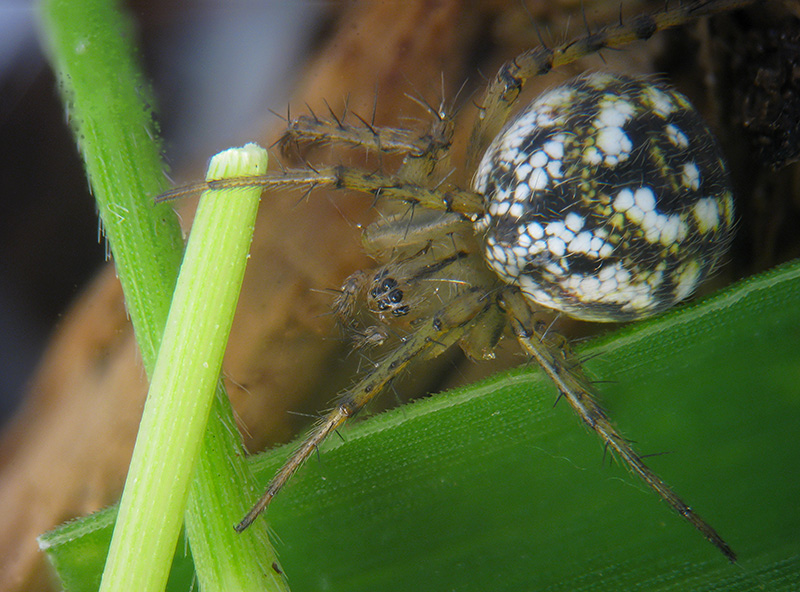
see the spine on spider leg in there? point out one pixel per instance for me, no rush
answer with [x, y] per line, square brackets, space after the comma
[505, 88]
[558, 363]
[442, 330]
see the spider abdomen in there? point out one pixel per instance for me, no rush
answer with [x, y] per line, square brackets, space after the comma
[607, 198]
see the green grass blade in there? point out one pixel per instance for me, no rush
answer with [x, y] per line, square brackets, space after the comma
[492, 488]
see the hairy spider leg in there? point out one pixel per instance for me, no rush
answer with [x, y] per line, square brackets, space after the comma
[313, 129]
[444, 329]
[503, 91]
[342, 177]
[428, 164]
[424, 152]
[564, 370]
[399, 231]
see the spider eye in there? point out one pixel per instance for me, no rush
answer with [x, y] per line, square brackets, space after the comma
[607, 198]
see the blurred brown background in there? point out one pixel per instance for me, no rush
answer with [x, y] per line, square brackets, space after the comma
[66, 349]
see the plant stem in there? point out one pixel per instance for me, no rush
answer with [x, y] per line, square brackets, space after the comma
[224, 559]
[184, 382]
[108, 103]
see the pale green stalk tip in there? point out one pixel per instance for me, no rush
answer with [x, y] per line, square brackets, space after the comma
[250, 159]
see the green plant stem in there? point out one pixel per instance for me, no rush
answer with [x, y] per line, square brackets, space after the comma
[223, 486]
[108, 102]
[184, 382]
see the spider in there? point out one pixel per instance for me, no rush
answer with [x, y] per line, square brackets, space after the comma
[605, 199]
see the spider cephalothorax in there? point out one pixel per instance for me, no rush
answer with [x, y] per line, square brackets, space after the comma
[606, 199]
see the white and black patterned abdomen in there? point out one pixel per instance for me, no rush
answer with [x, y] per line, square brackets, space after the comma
[607, 198]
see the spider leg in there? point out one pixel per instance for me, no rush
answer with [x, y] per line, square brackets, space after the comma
[314, 129]
[424, 151]
[504, 89]
[559, 364]
[420, 166]
[342, 177]
[416, 228]
[440, 331]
